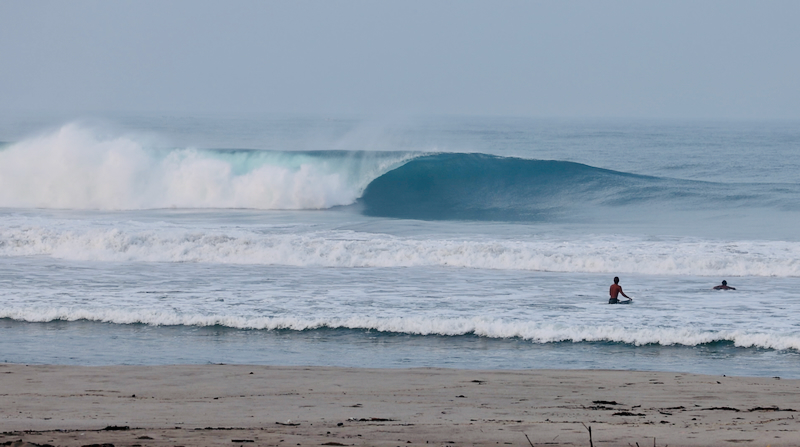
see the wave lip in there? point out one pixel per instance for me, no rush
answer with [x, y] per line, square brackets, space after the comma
[487, 187]
[77, 168]
[456, 186]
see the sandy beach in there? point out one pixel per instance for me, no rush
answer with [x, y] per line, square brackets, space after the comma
[204, 405]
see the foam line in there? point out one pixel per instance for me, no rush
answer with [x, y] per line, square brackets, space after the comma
[484, 327]
[340, 248]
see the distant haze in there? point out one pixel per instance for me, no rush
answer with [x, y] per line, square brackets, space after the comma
[675, 59]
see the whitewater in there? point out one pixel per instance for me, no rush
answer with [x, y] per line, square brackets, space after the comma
[478, 243]
[74, 168]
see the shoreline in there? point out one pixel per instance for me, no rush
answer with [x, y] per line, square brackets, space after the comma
[204, 405]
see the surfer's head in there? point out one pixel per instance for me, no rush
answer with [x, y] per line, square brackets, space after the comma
[616, 280]
[724, 283]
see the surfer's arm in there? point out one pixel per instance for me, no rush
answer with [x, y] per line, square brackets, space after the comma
[623, 294]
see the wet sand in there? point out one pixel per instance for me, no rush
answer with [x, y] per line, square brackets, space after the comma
[205, 405]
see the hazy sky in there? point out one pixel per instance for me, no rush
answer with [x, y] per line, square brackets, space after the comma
[673, 59]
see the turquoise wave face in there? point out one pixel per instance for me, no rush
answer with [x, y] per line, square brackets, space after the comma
[486, 187]
[76, 168]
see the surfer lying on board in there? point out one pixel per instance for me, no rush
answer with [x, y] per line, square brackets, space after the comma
[615, 290]
[724, 286]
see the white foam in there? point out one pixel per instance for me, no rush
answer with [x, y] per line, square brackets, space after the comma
[78, 168]
[536, 332]
[337, 248]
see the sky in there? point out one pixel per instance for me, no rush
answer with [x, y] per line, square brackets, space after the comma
[635, 59]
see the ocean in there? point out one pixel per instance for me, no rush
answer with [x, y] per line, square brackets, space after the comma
[484, 243]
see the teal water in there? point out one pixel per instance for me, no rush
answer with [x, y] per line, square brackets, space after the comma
[468, 243]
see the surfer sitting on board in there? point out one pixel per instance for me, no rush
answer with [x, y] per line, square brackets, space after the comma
[615, 290]
[724, 286]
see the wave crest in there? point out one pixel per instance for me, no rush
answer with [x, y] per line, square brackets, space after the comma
[426, 326]
[485, 187]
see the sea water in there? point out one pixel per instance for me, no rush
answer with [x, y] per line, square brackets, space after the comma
[447, 242]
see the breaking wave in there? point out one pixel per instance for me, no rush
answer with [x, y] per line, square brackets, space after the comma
[427, 326]
[76, 168]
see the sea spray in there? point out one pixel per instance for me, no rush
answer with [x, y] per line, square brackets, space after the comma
[77, 168]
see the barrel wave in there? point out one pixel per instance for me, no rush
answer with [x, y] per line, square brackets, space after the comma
[486, 187]
[79, 168]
